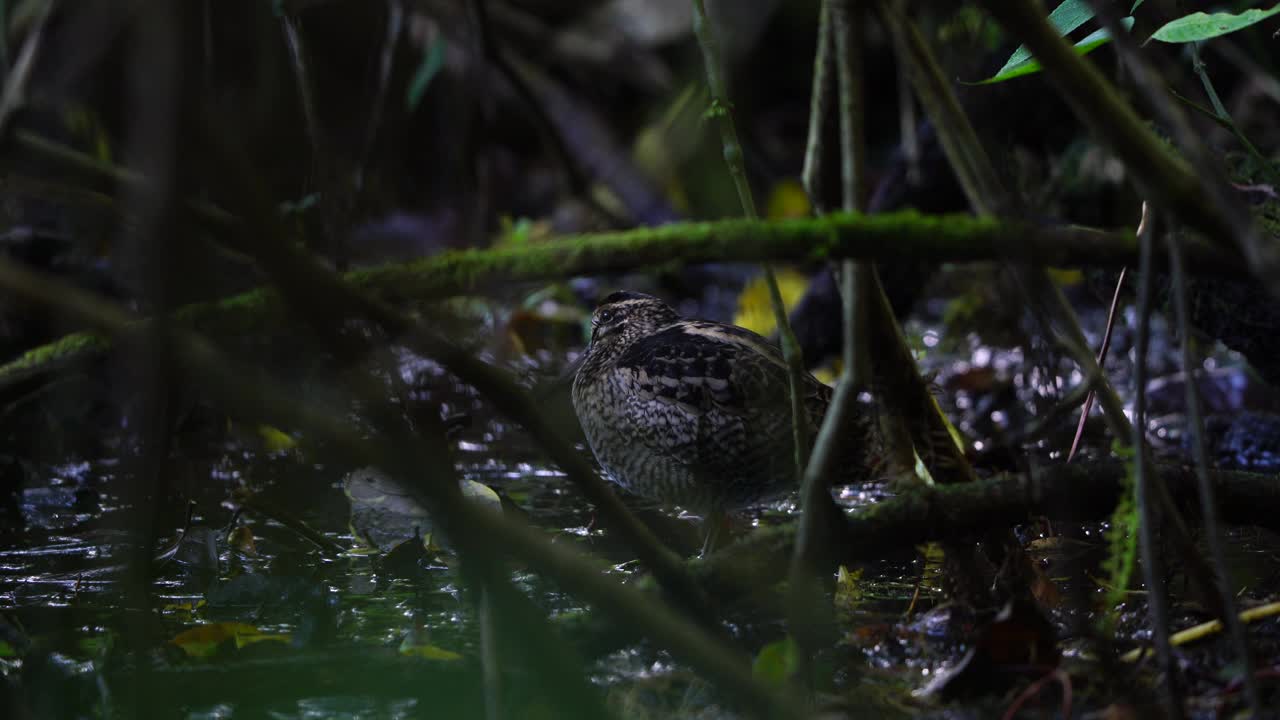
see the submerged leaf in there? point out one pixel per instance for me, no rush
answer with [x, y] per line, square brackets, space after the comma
[203, 641]
[431, 652]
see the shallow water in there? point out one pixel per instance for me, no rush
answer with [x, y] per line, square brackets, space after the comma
[337, 621]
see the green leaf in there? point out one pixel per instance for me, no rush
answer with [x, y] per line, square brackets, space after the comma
[1122, 541]
[1095, 39]
[1200, 26]
[1068, 16]
[432, 61]
[777, 661]
[1136, 4]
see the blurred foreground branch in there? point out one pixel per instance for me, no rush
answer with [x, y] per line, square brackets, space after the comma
[199, 362]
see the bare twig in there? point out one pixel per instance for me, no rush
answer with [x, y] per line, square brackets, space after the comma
[1152, 563]
[1208, 499]
[1106, 344]
[395, 23]
[821, 522]
[1102, 355]
[811, 174]
[579, 183]
[14, 95]
[722, 108]
[1224, 117]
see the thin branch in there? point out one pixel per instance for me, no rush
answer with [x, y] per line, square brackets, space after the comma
[578, 181]
[1208, 499]
[821, 521]
[1162, 176]
[1224, 117]
[1148, 523]
[1102, 356]
[14, 95]
[386, 60]
[981, 185]
[733, 157]
[811, 174]
[1046, 422]
[896, 371]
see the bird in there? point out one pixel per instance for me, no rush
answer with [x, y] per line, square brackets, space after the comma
[696, 414]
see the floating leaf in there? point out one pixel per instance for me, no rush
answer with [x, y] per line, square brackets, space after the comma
[417, 643]
[1093, 41]
[431, 652]
[1202, 26]
[203, 641]
[184, 608]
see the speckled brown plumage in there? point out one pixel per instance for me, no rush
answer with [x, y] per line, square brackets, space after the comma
[695, 413]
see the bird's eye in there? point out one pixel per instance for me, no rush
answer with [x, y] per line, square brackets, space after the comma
[604, 317]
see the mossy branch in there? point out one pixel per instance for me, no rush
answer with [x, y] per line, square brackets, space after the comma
[896, 236]
[1081, 491]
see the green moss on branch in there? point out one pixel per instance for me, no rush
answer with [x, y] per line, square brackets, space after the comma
[888, 237]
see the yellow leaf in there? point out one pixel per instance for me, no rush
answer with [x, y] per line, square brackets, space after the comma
[203, 640]
[257, 637]
[848, 588]
[185, 607]
[1066, 278]
[241, 538]
[431, 652]
[788, 200]
[755, 309]
[276, 440]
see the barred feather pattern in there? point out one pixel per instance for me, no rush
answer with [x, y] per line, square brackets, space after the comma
[695, 413]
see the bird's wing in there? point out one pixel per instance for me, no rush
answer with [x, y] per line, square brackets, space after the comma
[716, 387]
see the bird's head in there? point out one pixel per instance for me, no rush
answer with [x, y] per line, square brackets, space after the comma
[625, 315]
